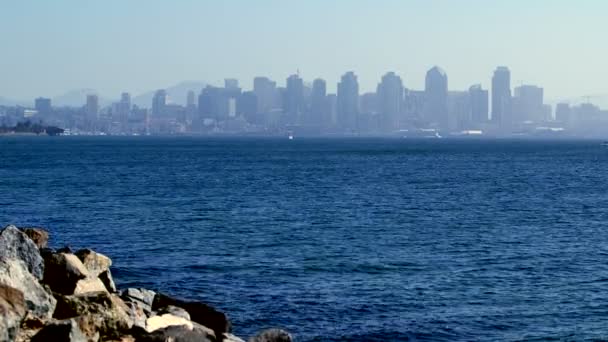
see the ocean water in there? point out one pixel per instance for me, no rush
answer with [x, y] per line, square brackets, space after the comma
[358, 240]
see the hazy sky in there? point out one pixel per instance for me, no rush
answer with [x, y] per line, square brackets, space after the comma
[51, 46]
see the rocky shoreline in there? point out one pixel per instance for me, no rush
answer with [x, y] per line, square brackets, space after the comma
[61, 295]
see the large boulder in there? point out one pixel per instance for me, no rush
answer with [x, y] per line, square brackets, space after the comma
[38, 301]
[61, 331]
[66, 274]
[175, 311]
[177, 334]
[167, 320]
[96, 263]
[272, 335]
[141, 297]
[14, 244]
[96, 312]
[12, 312]
[38, 235]
[199, 312]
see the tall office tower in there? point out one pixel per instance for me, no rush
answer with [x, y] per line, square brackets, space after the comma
[390, 102]
[480, 104]
[92, 107]
[124, 107]
[247, 105]
[210, 103]
[293, 104]
[159, 102]
[413, 107]
[501, 97]
[348, 103]
[436, 93]
[43, 106]
[563, 113]
[231, 83]
[266, 92]
[190, 99]
[459, 110]
[528, 104]
[319, 110]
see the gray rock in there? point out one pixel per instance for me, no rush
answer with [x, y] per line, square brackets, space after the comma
[142, 296]
[175, 311]
[38, 235]
[176, 334]
[137, 314]
[14, 273]
[272, 335]
[61, 331]
[12, 311]
[15, 244]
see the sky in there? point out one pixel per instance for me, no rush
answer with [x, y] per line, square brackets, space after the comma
[50, 47]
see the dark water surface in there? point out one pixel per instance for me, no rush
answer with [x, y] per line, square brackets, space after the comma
[337, 239]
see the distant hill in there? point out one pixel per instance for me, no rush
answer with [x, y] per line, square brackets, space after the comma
[177, 93]
[10, 102]
[77, 98]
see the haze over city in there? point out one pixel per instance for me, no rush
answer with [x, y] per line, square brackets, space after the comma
[137, 46]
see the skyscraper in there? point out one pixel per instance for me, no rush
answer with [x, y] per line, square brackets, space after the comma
[159, 102]
[266, 92]
[390, 102]
[43, 106]
[92, 107]
[528, 104]
[479, 104]
[348, 102]
[501, 97]
[562, 113]
[319, 113]
[293, 104]
[436, 93]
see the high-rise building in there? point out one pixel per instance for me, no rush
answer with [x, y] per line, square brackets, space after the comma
[501, 97]
[390, 102]
[266, 92]
[348, 102]
[159, 102]
[480, 103]
[211, 104]
[319, 110]
[459, 110]
[231, 83]
[92, 107]
[43, 106]
[293, 105]
[528, 104]
[190, 99]
[563, 113]
[247, 105]
[436, 104]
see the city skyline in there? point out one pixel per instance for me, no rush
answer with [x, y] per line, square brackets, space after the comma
[554, 43]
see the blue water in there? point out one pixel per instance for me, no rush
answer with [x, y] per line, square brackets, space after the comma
[334, 240]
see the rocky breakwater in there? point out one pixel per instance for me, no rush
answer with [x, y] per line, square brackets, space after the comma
[60, 295]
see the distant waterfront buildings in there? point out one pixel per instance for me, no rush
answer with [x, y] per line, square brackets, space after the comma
[501, 97]
[389, 95]
[159, 102]
[348, 102]
[436, 103]
[479, 105]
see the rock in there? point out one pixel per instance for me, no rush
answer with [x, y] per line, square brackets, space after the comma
[137, 314]
[14, 244]
[61, 331]
[199, 313]
[175, 311]
[89, 285]
[30, 326]
[96, 263]
[176, 334]
[38, 235]
[63, 271]
[141, 296]
[65, 249]
[96, 312]
[108, 281]
[232, 338]
[12, 311]
[272, 335]
[14, 273]
[167, 320]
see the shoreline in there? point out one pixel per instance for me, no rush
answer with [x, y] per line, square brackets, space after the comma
[65, 295]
